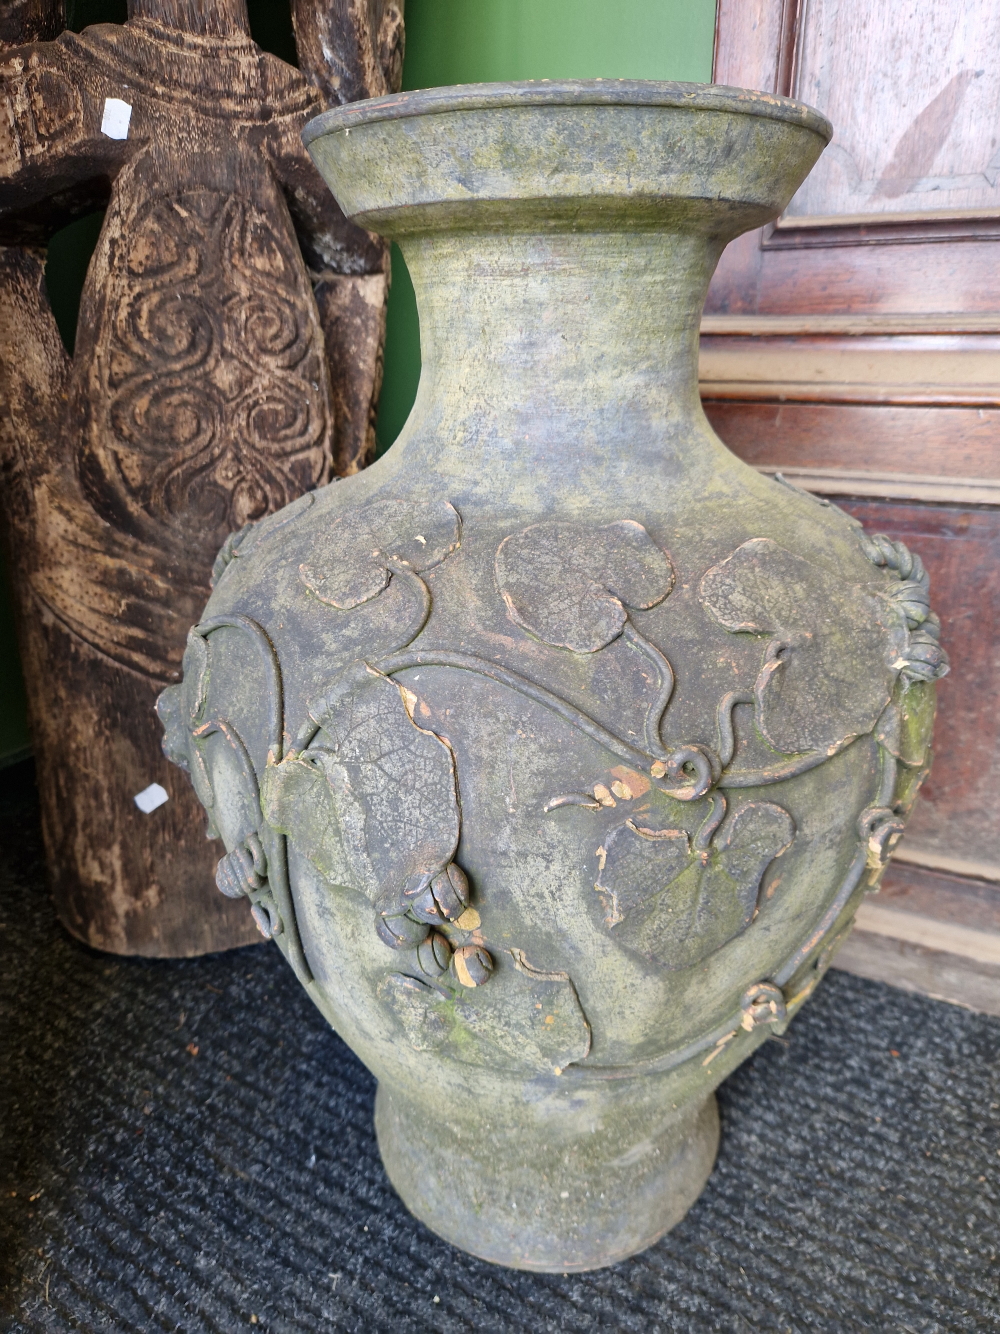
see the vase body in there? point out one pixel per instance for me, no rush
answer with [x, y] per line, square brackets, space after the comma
[557, 749]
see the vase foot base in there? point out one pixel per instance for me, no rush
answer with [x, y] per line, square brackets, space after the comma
[547, 1197]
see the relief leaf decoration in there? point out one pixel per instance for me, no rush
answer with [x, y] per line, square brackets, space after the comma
[676, 905]
[362, 550]
[387, 786]
[179, 709]
[833, 652]
[570, 585]
[637, 863]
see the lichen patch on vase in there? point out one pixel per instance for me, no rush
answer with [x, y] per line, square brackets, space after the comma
[525, 1020]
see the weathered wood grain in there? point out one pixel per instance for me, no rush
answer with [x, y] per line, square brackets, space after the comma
[228, 358]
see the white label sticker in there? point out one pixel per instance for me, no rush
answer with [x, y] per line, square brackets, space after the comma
[150, 797]
[117, 115]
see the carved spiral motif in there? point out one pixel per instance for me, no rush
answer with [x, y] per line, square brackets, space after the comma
[273, 425]
[169, 415]
[216, 379]
[37, 108]
[268, 327]
[175, 330]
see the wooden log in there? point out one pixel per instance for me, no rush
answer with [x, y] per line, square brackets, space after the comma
[228, 358]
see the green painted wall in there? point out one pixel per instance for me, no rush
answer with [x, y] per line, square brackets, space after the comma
[479, 41]
[447, 41]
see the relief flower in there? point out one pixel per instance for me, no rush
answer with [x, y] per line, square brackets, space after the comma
[923, 658]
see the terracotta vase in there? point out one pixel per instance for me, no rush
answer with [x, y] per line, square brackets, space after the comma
[557, 749]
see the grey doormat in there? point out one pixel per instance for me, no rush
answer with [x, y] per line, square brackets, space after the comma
[192, 1149]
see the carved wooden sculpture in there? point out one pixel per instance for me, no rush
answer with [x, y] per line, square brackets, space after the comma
[227, 360]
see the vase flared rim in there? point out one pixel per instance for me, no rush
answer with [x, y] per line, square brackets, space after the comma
[568, 93]
[604, 154]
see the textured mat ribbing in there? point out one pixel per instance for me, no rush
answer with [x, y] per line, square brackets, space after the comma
[159, 1189]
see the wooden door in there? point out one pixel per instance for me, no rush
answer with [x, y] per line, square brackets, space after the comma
[854, 345]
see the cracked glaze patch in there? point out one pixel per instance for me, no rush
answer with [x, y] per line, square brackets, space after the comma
[569, 585]
[358, 555]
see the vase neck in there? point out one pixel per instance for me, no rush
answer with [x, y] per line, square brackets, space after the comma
[555, 351]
